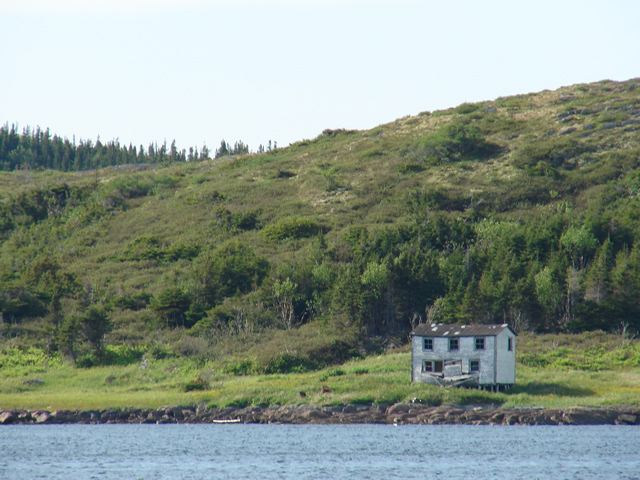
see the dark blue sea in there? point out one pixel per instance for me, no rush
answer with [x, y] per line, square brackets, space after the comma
[81, 452]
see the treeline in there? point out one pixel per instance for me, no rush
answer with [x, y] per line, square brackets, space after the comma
[36, 148]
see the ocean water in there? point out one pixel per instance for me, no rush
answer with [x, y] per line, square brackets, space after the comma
[318, 452]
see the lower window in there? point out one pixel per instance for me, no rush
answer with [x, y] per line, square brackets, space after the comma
[474, 365]
[432, 366]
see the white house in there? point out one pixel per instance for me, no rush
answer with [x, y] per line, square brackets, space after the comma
[482, 356]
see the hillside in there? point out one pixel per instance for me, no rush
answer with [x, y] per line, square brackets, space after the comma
[523, 210]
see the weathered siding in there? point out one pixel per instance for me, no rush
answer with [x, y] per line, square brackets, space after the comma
[466, 352]
[505, 359]
[497, 363]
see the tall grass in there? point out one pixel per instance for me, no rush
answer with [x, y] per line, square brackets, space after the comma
[380, 379]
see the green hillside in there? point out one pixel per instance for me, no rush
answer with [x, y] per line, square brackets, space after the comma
[523, 210]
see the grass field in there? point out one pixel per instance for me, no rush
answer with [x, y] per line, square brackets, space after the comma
[552, 371]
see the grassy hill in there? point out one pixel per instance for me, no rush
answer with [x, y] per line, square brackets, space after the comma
[523, 210]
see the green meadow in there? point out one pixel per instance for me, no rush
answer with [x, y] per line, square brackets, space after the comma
[552, 371]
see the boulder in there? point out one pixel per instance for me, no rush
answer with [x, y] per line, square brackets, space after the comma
[202, 408]
[65, 416]
[588, 416]
[398, 408]
[314, 414]
[626, 419]
[41, 416]
[7, 417]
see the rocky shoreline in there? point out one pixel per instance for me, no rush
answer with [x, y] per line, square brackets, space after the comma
[398, 413]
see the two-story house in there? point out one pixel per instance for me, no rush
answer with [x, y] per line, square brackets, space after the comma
[481, 356]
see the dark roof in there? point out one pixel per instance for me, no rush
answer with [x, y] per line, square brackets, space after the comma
[440, 330]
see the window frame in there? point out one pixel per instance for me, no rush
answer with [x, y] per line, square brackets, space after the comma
[435, 366]
[510, 344]
[480, 343]
[454, 344]
[471, 365]
[424, 343]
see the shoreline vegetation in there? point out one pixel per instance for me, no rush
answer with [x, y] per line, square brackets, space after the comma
[561, 379]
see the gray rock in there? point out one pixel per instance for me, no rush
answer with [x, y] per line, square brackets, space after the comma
[7, 418]
[626, 419]
[41, 416]
[608, 126]
[202, 408]
[397, 408]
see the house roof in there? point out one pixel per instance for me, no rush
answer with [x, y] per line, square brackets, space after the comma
[441, 330]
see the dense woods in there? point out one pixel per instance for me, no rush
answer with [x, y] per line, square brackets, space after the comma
[35, 148]
[521, 211]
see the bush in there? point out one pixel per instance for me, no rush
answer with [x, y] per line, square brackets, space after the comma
[113, 355]
[331, 373]
[287, 363]
[18, 362]
[149, 247]
[146, 247]
[291, 228]
[137, 301]
[198, 384]
[551, 152]
[240, 367]
[127, 186]
[454, 142]
[233, 267]
[180, 251]
[244, 220]
[171, 305]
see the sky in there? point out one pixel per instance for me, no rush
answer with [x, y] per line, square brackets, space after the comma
[199, 71]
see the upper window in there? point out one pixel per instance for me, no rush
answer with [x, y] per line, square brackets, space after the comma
[510, 344]
[454, 343]
[428, 344]
[479, 343]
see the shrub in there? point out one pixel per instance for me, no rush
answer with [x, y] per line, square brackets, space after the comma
[180, 250]
[129, 186]
[242, 220]
[240, 367]
[293, 227]
[466, 108]
[233, 267]
[453, 142]
[172, 305]
[113, 355]
[16, 361]
[198, 384]
[135, 302]
[288, 363]
[331, 373]
[551, 152]
[146, 247]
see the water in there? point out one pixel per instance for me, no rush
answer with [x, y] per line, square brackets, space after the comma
[318, 452]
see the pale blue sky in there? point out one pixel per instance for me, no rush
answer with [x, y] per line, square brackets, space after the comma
[198, 71]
